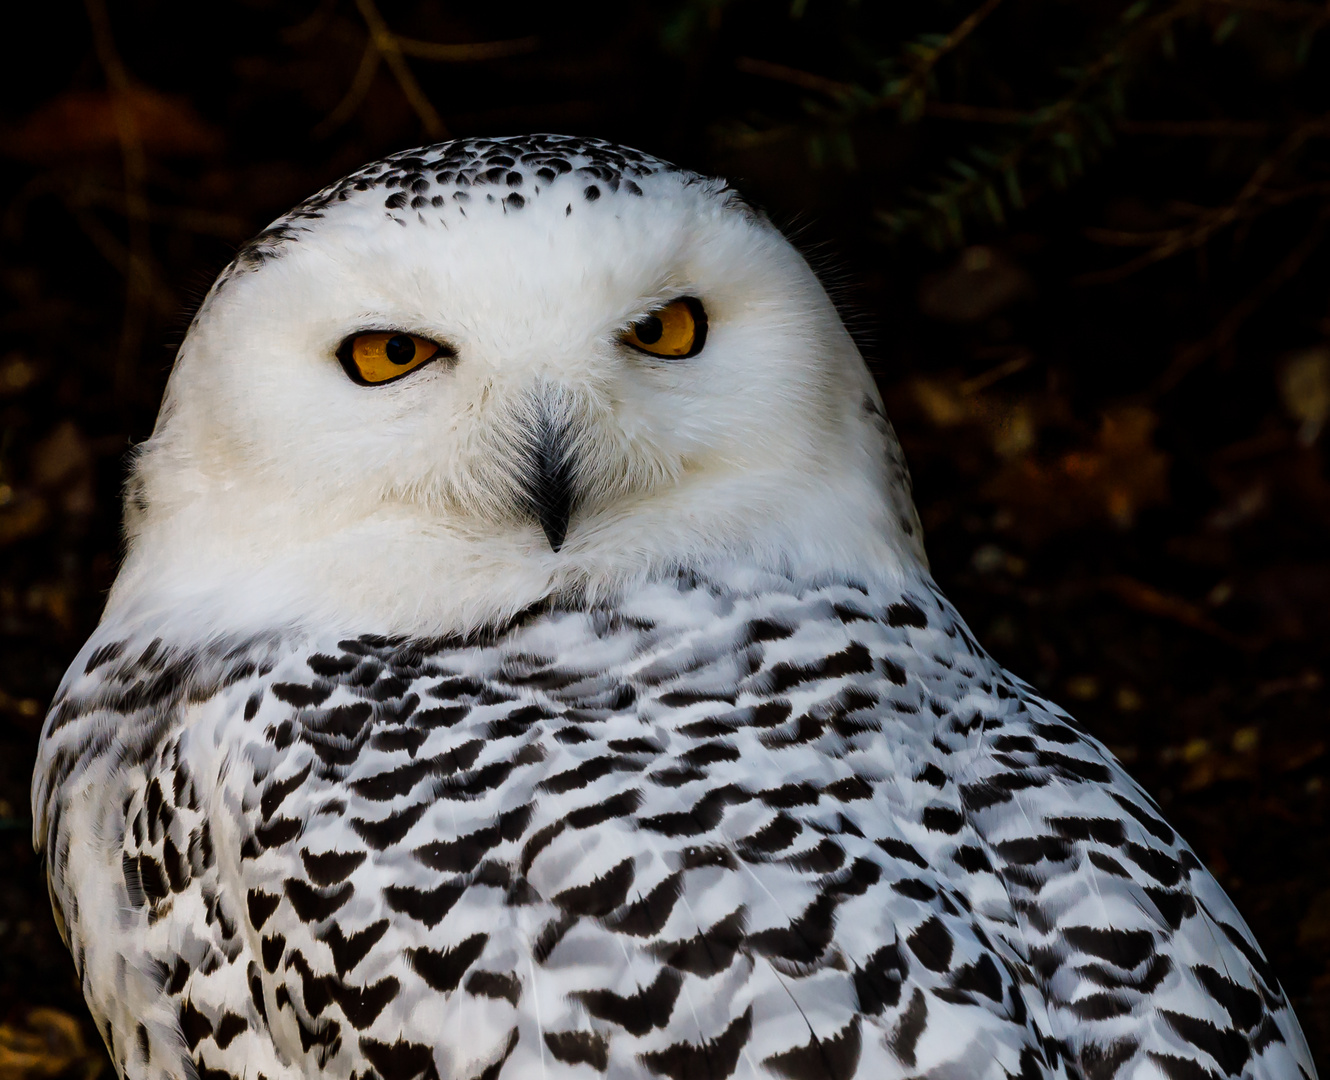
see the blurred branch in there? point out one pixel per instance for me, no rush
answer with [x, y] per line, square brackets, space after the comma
[927, 55]
[1147, 599]
[387, 44]
[460, 54]
[986, 114]
[805, 80]
[1297, 194]
[1057, 137]
[138, 278]
[383, 45]
[907, 91]
[231, 227]
[978, 114]
[996, 374]
[1169, 242]
[1280, 9]
[1068, 127]
[355, 94]
[1209, 129]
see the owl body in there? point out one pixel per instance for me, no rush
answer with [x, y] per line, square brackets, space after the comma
[563, 708]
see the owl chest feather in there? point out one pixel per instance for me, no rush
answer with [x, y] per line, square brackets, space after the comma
[798, 830]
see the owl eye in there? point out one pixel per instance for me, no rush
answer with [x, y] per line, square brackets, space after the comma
[380, 357]
[676, 331]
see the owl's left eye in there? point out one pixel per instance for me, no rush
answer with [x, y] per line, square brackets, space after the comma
[673, 332]
[382, 356]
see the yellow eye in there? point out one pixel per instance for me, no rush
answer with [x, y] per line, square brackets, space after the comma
[380, 357]
[676, 331]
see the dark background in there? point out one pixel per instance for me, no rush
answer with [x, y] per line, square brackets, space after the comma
[1082, 242]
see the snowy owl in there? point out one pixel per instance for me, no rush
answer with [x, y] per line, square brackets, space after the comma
[525, 665]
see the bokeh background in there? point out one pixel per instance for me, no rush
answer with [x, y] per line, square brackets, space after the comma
[1082, 242]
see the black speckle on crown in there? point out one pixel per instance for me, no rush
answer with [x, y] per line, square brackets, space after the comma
[417, 182]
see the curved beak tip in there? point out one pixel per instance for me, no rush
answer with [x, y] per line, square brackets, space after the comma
[556, 528]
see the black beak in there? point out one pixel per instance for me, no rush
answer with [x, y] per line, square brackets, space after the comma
[549, 483]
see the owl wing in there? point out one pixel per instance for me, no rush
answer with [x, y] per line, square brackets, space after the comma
[127, 819]
[1144, 961]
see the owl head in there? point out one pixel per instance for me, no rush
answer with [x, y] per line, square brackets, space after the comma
[484, 373]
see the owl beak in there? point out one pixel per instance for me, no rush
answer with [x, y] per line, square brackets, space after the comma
[549, 481]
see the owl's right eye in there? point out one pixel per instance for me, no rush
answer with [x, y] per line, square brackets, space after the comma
[673, 332]
[382, 356]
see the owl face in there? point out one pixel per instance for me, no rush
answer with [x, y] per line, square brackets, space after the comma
[553, 375]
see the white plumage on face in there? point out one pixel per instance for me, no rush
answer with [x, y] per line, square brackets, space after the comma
[737, 795]
[416, 496]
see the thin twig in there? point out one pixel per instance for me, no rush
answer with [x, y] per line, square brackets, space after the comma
[461, 54]
[1127, 237]
[1289, 195]
[747, 138]
[386, 42]
[1280, 9]
[1145, 598]
[996, 374]
[806, 80]
[978, 114]
[1146, 31]
[1153, 237]
[1170, 242]
[986, 114]
[384, 45]
[919, 72]
[844, 92]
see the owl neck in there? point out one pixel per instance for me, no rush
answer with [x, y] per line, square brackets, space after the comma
[214, 557]
[397, 575]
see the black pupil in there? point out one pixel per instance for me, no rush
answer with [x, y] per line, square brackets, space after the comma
[400, 349]
[648, 331]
